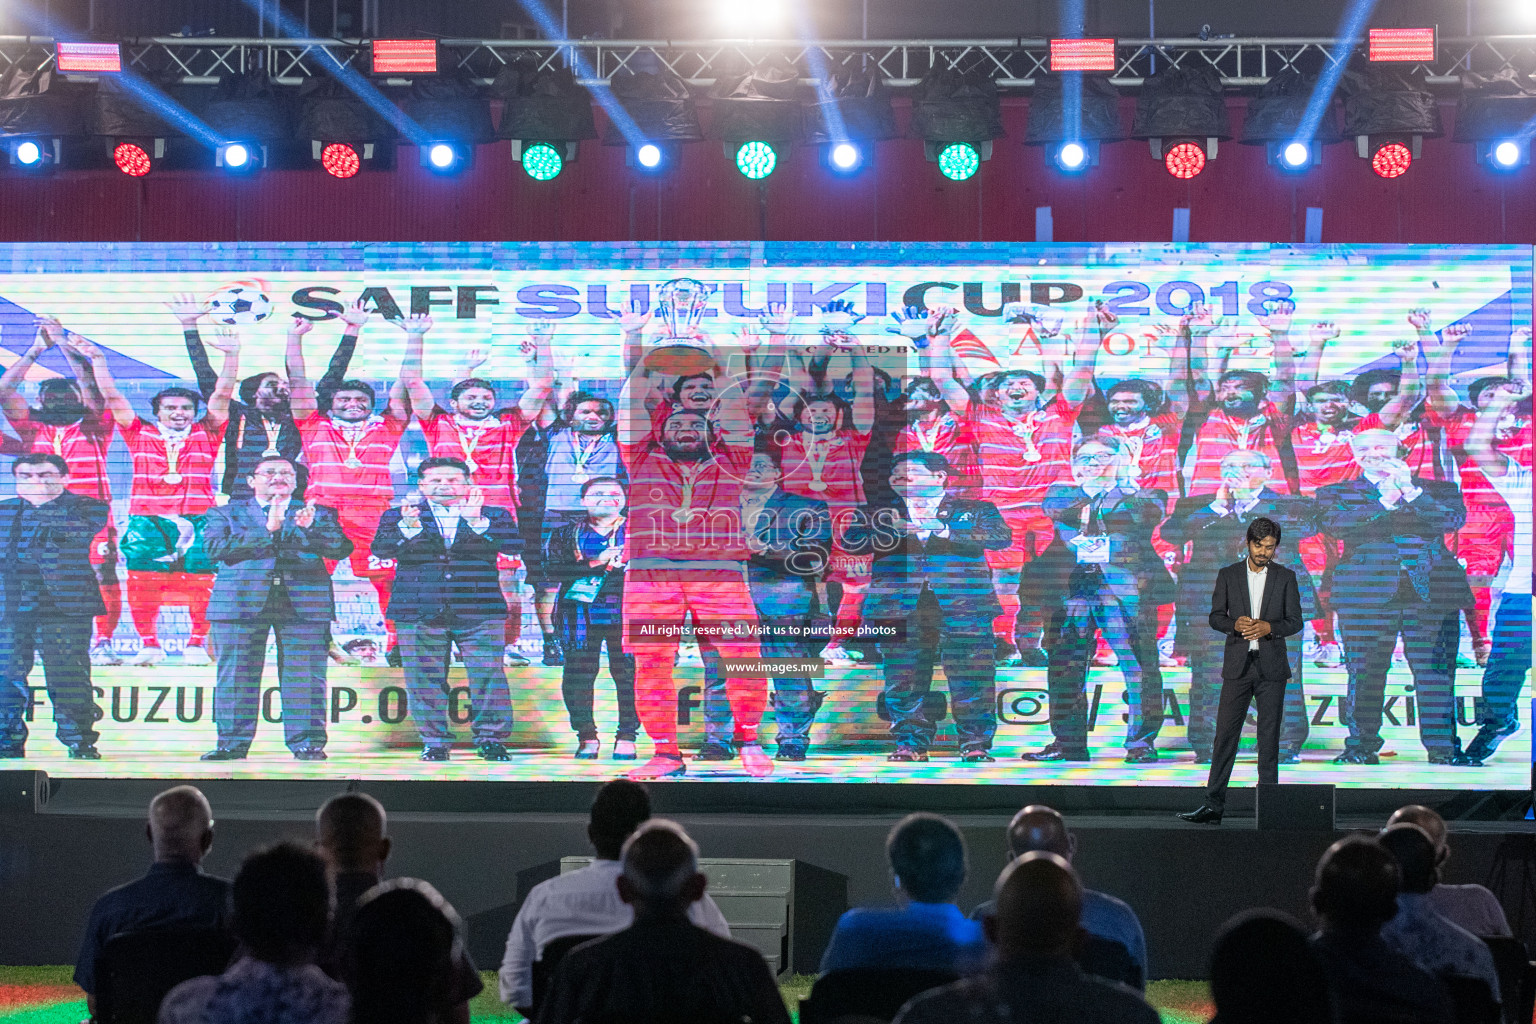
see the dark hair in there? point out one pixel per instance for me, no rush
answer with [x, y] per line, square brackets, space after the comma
[1150, 393]
[1415, 854]
[1252, 379]
[568, 410]
[467, 383]
[443, 462]
[1356, 884]
[669, 417]
[1263, 528]
[250, 385]
[677, 385]
[41, 459]
[349, 385]
[59, 384]
[765, 445]
[927, 854]
[601, 480]
[619, 808]
[931, 461]
[1035, 378]
[273, 458]
[844, 410]
[1482, 384]
[188, 393]
[282, 903]
[359, 643]
[1263, 971]
[1332, 387]
[1109, 441]
[401, 953]
[1361, 387]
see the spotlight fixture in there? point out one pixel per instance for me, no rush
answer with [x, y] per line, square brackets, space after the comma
[1388, 112]
[345, 134]
[1074, 139]
[756, 159]
[1072, 157]
[1392, 159]
[133, 159]
[959, 161]
[89, 58]
[249, 115]
[651, 157]
[1183, 158]
[1295, 155]
[446, 157]
[404, 56]
[1401, 44]
[845, 157]
[542, 161]
[1281, 120]
[35, 155]
[340, 160]
[1182, 115]
[1492, 113]
[239, 157]
[1506, 154]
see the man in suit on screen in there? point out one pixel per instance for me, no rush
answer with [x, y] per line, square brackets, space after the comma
[448, 592]
[271, 551]
[1256, 604]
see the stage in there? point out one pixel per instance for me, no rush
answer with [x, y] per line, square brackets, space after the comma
[485, 843]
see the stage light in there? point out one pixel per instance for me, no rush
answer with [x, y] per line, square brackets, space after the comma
[845, 157]
[240, 157]
[1184, 159]
[649, 156]
[1506, 154]
[1082, 55]
[404, 56]
[959, 161]
[1281, 119]
[1402, 44]
[1391, 160]
[446, 157]
[1295, 154]
[1071, 157]
[340, 160]
[756, 160]
[34, 155]
[131, 159]
[89, 58]
[27, 154]
[542, 161]
[1494, 116]
[440, 154]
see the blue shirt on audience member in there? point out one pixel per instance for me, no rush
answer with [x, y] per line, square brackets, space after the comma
[1108, 918]
[172, 894]
[918, 936]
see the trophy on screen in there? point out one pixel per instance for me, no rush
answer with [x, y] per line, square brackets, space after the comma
[681, 346]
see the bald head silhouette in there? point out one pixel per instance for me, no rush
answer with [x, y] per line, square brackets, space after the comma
[1038, 901]
[180, 825]
[1428, 820]
[1414, 852]
[1356, 886]
[1040, 828]
[351, 833]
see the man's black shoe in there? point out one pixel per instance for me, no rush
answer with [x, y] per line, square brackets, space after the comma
[715, 752]
[1290, 757]
[976, 757]
[1202, 759]
[1141, 755]
[434, 754]
[1466, 760]
[907, 754]
[309, 754]
[225, 754]
[1055, 752]
[84, 752]
[494, 752]
[1487, 739]
[1357, 757]
[1033, 657]
[1205, 814]
[554, 654]
[790, 754]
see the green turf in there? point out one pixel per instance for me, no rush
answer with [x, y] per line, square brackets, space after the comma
[1179, 1002]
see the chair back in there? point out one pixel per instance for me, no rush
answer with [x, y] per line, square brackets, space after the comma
[1472, 999]
[1513, 964]
[866, 993]
[549, 958]
[1108, 959]
[136, 969]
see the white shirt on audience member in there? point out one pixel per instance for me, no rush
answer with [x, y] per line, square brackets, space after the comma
[584, 902]
[1473, 907]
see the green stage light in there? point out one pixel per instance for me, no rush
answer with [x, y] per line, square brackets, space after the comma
[542, 161]
[959, 160]
[756, 160]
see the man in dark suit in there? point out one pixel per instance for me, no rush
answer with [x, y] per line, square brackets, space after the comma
[448, 592]
[48, 597]
[790, 538]
[1396, 577]
[1107, 579]
[1255, 605]
[930, 599]
[271, 552]
[1212, 528]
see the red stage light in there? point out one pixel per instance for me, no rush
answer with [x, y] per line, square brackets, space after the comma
[1184, 159]
[1389, 44]
[404, 56]
[131, 159]
[1082, 55]
[1391, 160]
[340, 160]
[101, 58]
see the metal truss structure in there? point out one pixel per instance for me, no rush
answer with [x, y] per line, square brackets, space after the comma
[1012, 63]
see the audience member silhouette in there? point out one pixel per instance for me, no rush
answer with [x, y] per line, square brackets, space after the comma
[1038, 906]
[927, 932]
[174, 892]
[1470, 905]
[282, 910]
[1264, 972]
[662, 968]
[1354, 895]
[402, 960]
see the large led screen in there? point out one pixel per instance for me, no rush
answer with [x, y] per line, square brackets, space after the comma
[863, 513]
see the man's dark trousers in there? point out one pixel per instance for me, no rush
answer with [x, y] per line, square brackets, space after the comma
[1236, 695]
